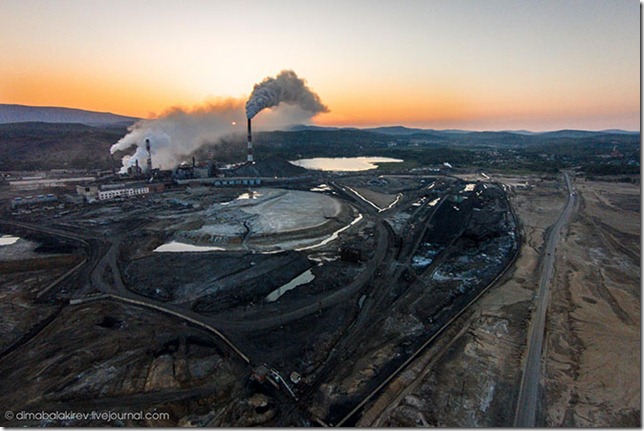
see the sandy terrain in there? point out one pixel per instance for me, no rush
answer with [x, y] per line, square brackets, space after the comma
[471, 377]
[592, 355]
[593, 374]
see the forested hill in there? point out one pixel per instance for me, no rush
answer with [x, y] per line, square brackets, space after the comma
[45, 114]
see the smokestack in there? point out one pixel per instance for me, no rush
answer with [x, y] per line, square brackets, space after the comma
[194, 162]
[250, 144]
[138, 169]
[147, 147]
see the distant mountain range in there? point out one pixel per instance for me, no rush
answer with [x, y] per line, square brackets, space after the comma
[47, 114]
[409, 131]
[41, 138]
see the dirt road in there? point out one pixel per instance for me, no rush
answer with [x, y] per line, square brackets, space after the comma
[528, 394]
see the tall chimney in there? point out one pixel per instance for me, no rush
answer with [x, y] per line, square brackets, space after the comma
[250, 144]
[138, 169]
[147, 147]
[194, 162]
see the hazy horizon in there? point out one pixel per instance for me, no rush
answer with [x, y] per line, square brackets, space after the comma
[349, 126]
[463, 64]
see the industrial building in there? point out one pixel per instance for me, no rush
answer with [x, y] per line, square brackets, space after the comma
[92, 193]
[186, 171]
[115, 193]
[224, 182]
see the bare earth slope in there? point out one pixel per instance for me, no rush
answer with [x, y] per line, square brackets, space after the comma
[593, 358]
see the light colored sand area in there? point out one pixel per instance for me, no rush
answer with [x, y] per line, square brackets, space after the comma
[593, 375]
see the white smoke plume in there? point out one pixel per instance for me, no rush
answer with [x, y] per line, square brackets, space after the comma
[179, 132]
[286, 87]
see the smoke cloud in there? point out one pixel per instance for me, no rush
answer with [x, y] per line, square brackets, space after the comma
[285, 87]
[179, 132]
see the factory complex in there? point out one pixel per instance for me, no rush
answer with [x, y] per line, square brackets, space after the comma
[69, 185]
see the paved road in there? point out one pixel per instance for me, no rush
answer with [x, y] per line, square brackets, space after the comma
[525, 415]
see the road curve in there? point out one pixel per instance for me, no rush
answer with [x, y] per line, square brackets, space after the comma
[527, 403]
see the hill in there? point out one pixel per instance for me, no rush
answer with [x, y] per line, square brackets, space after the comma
[271, 167]
[36, 146]
[47, 114]
[41, 145]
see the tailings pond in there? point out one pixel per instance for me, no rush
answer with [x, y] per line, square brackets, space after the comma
[343, 164]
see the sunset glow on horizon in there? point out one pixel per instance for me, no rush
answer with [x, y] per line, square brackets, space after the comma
[492, 65]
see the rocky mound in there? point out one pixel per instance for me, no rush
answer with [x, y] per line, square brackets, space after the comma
[272, 167]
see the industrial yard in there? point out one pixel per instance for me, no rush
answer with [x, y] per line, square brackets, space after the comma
[277, 285]
[323, 299]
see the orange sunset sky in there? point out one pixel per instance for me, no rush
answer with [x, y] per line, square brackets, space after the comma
[478, 65]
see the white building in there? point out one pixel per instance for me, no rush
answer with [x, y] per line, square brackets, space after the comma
[131, 191]
[92, 193]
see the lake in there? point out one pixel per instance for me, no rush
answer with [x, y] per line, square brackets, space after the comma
[343, 164]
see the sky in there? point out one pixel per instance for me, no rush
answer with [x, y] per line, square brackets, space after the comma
[477, 65]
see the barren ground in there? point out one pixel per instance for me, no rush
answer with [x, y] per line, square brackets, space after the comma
[593, 375]
[471, 376]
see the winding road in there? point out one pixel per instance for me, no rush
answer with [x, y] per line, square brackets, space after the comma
[527, 404]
